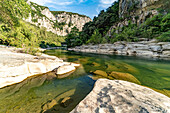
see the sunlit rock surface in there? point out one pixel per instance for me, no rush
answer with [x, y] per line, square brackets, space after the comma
[142, 7]
[48, 19]
[151, 48]
[15, 67]
[116, 96]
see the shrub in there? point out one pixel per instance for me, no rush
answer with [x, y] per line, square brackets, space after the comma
[165, 23]
[26, 35]
[96, 38]
[165, 37]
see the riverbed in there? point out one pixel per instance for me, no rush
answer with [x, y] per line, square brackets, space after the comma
[32, 94]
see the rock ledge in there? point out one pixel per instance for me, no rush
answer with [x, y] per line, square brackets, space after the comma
[116, 96]
[16, 67]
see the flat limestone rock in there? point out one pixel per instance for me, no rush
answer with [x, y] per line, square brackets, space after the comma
[16, 67]
[117, 96]
[143, 48]
[65, 69]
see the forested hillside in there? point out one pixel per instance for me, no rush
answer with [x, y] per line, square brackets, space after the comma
[126, 21]
[16, 32]
[29, 25]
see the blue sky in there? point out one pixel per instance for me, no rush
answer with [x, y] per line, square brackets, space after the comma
[90, 8]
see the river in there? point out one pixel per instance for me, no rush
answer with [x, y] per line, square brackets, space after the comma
[32, 94]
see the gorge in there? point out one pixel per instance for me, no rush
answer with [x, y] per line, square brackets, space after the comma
[118, 62]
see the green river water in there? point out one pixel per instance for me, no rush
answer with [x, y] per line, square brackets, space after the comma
[32, 94]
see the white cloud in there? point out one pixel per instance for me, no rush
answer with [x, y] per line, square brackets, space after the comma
[57, 2]
[103, 4]
[106, 3]
[42, 2]
[80, 1]
[64, 3]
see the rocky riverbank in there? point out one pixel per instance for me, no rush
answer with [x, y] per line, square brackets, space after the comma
[116, 96]
[16, 67]
[143, 48]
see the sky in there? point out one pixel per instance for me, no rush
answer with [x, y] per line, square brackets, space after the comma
[90, 8]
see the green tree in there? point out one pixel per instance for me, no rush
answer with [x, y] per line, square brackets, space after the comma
[96, 38]
[102, 22]
[73, 38]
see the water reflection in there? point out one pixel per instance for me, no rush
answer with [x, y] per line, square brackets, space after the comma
[31, 94]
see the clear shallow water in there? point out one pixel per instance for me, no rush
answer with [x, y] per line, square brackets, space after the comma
[31, 94]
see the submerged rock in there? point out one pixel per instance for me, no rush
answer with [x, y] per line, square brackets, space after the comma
[116, 96]
[63, 100]
[115, 75]
[49, 105]
[101, 73]
[122, 67]
[124, 76]
[66, 101]
[96, 64]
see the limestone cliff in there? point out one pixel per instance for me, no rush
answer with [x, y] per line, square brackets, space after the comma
[138, 11]
[59, 22]
[70, 20]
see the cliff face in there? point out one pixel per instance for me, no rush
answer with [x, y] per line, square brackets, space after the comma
[70, 20]
[42, 21]
[136, 7]
[59, 23]
[137, 11]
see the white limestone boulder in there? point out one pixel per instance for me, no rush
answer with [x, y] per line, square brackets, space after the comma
[116, 96]
[16, 67]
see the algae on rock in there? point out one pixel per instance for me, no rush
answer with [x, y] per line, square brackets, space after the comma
[124, 76]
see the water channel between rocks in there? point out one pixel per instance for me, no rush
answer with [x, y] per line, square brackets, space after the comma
[31, 95]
